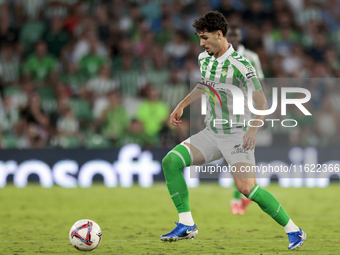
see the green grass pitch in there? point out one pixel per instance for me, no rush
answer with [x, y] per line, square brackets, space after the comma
[37, 221]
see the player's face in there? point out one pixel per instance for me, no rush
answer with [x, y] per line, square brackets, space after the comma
[210, 42]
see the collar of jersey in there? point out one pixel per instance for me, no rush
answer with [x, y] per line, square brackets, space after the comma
[225, 55]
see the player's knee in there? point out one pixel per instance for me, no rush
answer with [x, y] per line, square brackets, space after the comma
[245, 188]
[166, 162]
[171, 162]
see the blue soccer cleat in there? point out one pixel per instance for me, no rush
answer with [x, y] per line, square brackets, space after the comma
[180, 232]
[296, 239]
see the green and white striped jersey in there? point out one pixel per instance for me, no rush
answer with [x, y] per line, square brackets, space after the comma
[253, 58]
[229, 69]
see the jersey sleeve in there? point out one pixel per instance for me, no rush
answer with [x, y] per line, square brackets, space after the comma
[250, 77]
[247, 72]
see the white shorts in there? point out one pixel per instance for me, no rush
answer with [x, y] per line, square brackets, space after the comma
[229, 146]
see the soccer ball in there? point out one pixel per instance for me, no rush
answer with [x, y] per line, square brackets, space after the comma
[85, 235]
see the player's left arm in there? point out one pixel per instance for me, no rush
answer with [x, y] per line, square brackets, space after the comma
[249, 139]
[251, 78]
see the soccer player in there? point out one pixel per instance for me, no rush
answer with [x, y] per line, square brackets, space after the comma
[239, 202]
[219, 64]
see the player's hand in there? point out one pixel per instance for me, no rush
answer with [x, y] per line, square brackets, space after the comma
[249, 140]
[175, 116]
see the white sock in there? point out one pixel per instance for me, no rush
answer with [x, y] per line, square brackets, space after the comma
[186, 218]
[291, 227]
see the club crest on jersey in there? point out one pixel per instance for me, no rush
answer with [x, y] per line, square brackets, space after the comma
[204, 68]
[224, 72]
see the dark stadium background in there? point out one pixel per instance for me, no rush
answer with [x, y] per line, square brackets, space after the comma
[107, 64]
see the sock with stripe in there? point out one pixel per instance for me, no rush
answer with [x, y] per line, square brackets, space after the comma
[272, 207]
[172, 164]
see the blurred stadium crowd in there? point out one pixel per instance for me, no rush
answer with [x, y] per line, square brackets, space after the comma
[103, 73]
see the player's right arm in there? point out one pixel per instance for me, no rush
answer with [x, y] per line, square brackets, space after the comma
[178, 111]
[192, 97]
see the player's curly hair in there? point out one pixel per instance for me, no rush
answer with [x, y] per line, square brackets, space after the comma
[211, 22]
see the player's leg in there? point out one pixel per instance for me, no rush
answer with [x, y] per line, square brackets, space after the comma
[181, 156]
[241, 160]
[246, 184]
[173, 163]
[196, 150]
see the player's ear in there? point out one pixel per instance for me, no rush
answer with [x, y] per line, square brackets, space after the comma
[219, 34]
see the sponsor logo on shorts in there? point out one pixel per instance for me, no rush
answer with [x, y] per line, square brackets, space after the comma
[239, 149]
